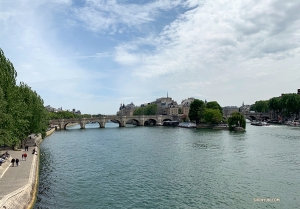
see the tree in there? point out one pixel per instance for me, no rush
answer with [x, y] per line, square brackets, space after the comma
[252, 107]
[139, 111]
[151, 109]
[21, 110]
[196, 112]
[213, 116]
[214, 105]
[275, 104]
[261, 106]
[291, 102]
[235, 120]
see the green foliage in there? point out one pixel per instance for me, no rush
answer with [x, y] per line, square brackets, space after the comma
[139, 111]
[196, 112]
[285, 105]
[275, 104]
[291, 102]
[236, 119]
[213, 116]
[150, 109]
[214, 105]
[21, 110]
[85, 116]
[252, 107]
[261, 106]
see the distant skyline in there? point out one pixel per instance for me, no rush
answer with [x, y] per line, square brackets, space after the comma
[93, 55]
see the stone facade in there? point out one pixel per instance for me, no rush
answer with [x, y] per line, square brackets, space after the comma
[126, 110]
[185, 106]
[228, 110]
[166, 106]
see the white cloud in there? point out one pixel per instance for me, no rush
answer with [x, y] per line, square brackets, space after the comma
[217, 50]
[104, 15]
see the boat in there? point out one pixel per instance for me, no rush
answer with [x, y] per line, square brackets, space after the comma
[187, 125]
[259, 123]
[293, 123]
[171, 123]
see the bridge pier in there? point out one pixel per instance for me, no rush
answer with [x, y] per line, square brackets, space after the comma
[123, 121]
[141, 121]
[61, 124]
[82, 125]
[102, 124]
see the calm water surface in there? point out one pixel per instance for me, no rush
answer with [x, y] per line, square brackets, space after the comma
[162, 167]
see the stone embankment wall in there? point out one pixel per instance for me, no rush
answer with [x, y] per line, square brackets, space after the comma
[48, 133]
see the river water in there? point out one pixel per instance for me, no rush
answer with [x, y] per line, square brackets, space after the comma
[164, 167]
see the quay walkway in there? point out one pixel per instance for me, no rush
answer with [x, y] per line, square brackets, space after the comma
[18, 183]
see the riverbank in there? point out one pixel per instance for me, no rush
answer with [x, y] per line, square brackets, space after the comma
[216, 127]
[19, 184]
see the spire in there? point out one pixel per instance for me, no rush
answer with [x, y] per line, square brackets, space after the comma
[167, 95]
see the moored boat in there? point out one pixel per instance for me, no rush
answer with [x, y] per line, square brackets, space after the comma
[171, 123]
[259, 123]
[187, 125]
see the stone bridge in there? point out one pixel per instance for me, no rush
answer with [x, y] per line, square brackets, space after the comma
[122, 120]
[257, 116]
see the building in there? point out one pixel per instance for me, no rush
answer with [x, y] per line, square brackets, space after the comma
[185, 105]
[52, 109]
[166, 106]
[126, 110]
[228, 110]
[244, 108]
[76, 112]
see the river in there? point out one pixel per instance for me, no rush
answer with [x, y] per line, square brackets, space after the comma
[165, 167]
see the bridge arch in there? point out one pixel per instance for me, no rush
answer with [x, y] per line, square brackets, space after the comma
[150, 122]
[114, 121]
[69, 123]
[251, 117]
[134, 121]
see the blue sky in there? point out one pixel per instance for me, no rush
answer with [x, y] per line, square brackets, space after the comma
[93, 55]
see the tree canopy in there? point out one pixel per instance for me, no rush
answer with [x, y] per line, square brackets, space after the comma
[213, 116]
[261, 106]
[286, 105]
[291, 102]
[235, 120]
[196, 112]
[214, 105]
[275, 104]
[22, 110]
[150, 109]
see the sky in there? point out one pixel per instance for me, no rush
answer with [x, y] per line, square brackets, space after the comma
[94, 55]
